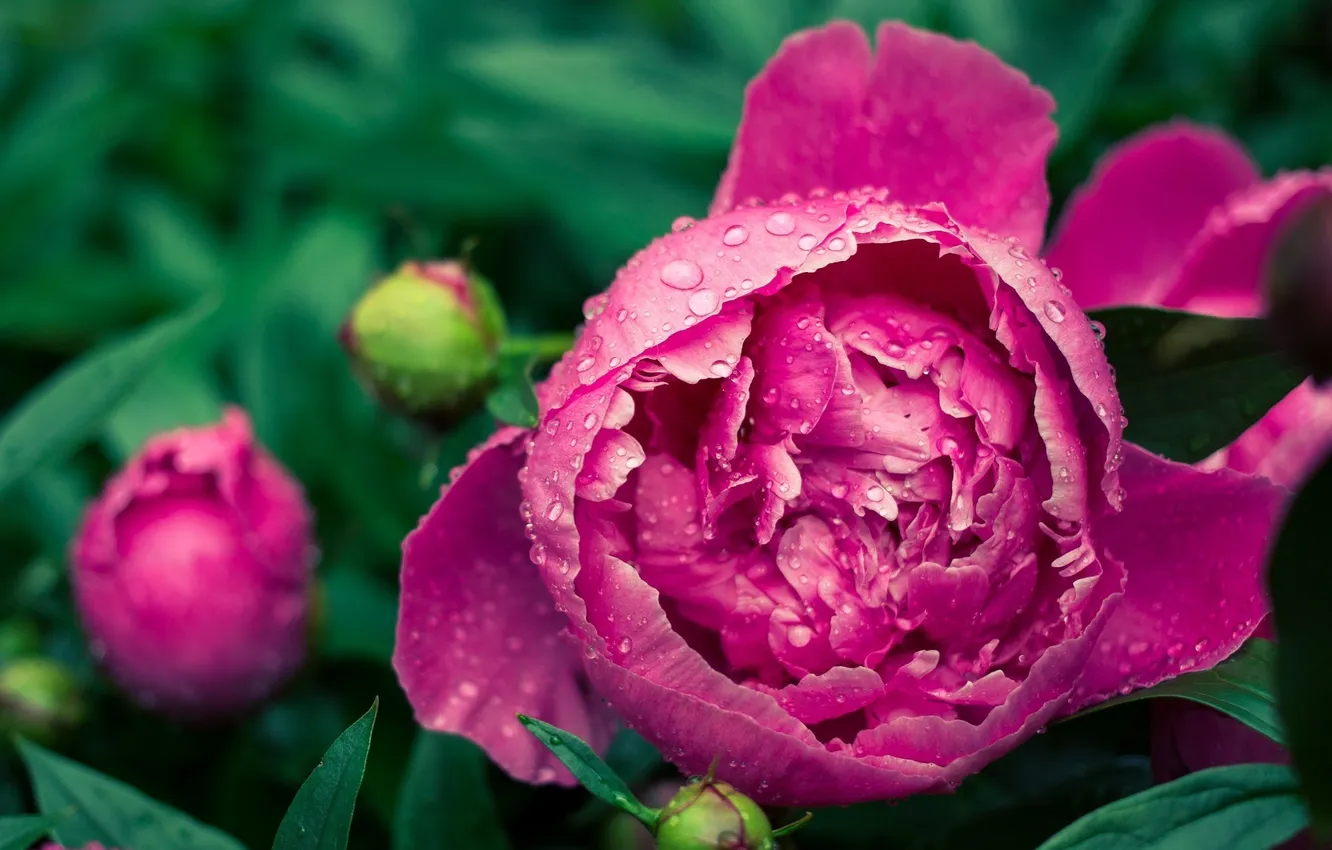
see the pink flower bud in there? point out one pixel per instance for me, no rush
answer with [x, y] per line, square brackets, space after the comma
[191, 572]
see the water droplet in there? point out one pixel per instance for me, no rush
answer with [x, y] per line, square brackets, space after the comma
[837, 243]
[1098, 329]
[735, 235]
[538, 554]
[1055, 311]
[703, 302]
[874, 494]
[780, 224]
[1017, 252]
[985, 414]
[585, 364]
[807, 242]
[626, 645]
[555, 511]
[721, 368]
[799, 635]
[684, 222]
[622, 315]
[681, 274]
[590, 421]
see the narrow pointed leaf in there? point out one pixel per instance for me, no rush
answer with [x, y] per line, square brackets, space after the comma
[103, 809]
[1239, 807]
[1301, 586]
[1191, 384]
[70, 406]
[1243, 686]
[320, 816]
[594, 774]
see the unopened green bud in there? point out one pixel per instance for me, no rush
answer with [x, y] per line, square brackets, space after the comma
[711, 815]
[427, 338]
[39, 699]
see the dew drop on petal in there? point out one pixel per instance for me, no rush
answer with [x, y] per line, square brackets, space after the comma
[555, 511]
[721, 368]
[703, 302]
[735, 235]
[681, 274]
[780, 224]
[807, 242]
[1055, 311]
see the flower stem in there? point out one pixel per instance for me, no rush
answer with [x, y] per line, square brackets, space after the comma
[542, 347]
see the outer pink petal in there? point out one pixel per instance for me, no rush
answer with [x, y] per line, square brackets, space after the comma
[1222, 271]
[1122, 237]
[926, 117]
[1193, 546]
[478, 637]
[1287, 443]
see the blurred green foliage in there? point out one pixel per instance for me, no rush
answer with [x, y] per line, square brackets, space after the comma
[281, 153]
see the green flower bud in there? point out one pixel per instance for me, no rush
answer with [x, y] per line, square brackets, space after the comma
[711, 815]
[39, 699]
[426, 338]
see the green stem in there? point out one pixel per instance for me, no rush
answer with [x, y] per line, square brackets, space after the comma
[543, 347]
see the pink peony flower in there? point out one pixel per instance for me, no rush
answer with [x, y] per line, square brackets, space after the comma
[191, 571]
[833, 486]
[1212, 223]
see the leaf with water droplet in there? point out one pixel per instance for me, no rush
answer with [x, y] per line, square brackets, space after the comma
[1239, 807]
[109, 811]
[593, 773]
[320, 816]
[1242, 686]
[1301, 585]
[1190, 384]
[70, 406]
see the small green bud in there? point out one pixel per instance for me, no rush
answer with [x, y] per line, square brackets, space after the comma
[426, 338]
[711, 815]
[39, 699]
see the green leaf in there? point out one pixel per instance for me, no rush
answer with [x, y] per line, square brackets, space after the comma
[320, 816]
[513, 400]
[592, 772]
[360, 615]
[19, 832]
[445, 800]
[1239, 807]
[1301, 586]
[618, 86]
[1242, 686]
[178, 392]
[109, 811]
[71, 405]
[1191, 384]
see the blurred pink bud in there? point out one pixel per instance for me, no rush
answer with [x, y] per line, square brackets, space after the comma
[191, 572]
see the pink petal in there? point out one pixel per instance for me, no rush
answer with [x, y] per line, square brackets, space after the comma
[926, 117]
[1121, 239]
[1288, 442]
[1222, 271]
[1193, 545]
[478, 637]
